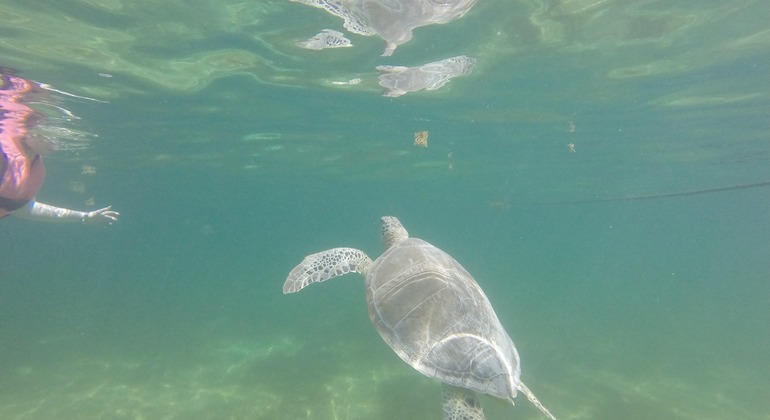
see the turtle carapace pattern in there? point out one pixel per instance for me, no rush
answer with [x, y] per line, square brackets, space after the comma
[432, 313]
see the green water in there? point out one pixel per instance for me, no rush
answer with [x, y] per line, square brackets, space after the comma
[632, 274]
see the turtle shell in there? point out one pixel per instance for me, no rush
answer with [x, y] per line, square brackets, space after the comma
[434, 315]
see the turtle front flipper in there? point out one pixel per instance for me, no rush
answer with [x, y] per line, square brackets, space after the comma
[461, 404]
[325, 265]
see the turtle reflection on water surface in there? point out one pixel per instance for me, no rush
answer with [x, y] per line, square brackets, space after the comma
[392, 20]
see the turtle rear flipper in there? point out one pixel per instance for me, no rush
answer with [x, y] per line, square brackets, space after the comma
[325, 265]
[461, 404]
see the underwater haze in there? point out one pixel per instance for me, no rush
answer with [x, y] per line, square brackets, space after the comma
[603, 171]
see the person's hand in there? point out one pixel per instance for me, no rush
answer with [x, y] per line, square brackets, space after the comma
[103, 216]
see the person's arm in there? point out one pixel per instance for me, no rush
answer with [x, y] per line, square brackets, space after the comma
[47, 213]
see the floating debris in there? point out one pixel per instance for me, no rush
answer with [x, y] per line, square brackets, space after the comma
[421, 139]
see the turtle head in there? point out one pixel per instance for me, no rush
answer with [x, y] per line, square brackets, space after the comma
[392, 231]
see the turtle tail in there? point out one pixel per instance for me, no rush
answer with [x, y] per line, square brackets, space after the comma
[325, 265]
[533, 399]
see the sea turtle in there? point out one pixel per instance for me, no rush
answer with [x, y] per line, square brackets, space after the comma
[433, 314]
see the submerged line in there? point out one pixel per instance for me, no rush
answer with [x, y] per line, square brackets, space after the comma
[693, 192]
[666, 195]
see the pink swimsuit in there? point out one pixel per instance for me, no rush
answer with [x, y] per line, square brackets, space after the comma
[20, 176]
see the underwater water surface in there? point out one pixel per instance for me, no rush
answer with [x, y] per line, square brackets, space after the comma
[602, 172]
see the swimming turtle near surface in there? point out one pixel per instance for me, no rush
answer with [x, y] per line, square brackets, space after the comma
[433, 314]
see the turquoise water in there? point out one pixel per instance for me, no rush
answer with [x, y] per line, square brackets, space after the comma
[632, 274]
